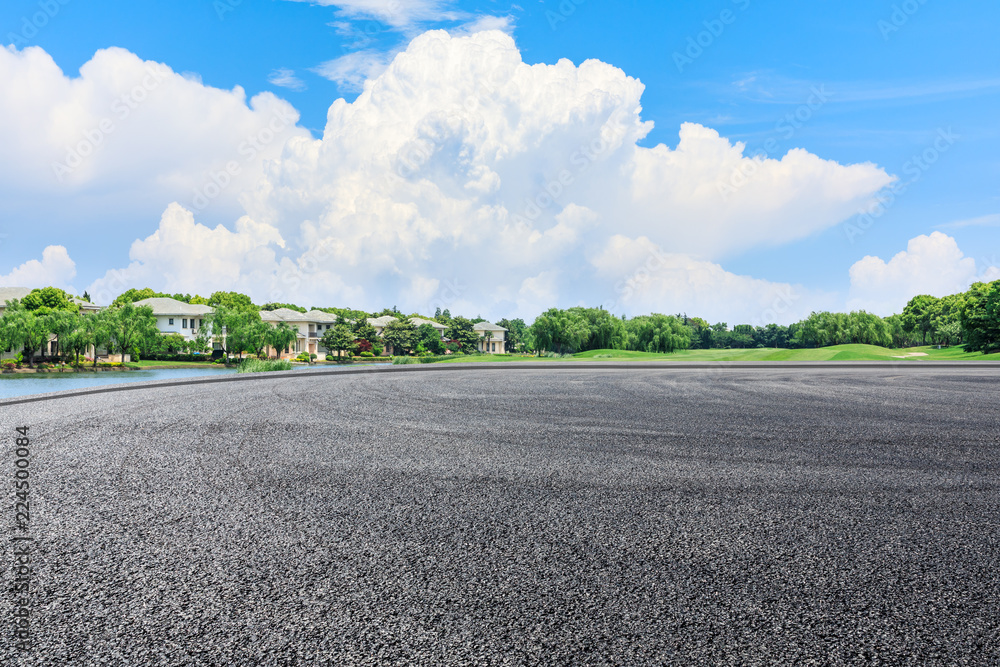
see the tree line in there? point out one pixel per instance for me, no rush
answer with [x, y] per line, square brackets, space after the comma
[971, 318]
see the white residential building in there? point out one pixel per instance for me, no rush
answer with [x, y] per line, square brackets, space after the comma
[176, 317]
[309, 327]
[419, 321]
[380, 323]
[492, 337]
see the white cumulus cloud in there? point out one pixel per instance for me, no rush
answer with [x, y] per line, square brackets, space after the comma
[931, 264]
[55, 268]
[462, 159]
[647, 279]
[125, 131]
[461, 177]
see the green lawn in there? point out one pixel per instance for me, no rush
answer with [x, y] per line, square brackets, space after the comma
[833, 353]
[146, 363]
[487, 357]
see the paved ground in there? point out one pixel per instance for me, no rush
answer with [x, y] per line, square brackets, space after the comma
[511, 516]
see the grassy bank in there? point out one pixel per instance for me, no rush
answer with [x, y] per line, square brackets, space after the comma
[144, 363]
[832, 353]
[263, 366]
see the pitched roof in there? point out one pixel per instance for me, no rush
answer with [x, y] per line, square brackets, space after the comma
[383, 321]
[11, 293]
[321, 316]
[419, 321]
[284, 315]
[162, 305]
[487, 326]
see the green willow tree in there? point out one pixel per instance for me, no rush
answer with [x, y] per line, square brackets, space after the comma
[280, 338]
[130, 326]
[22, 328]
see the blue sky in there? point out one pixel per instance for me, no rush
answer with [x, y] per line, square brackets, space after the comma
[871, 82]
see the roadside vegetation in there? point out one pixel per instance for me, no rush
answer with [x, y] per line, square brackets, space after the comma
[263, 365]
[958, 326]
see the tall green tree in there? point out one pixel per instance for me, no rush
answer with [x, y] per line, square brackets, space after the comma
[516, 330]
[77, 340]
[429, 338]
[460, 330]
[365, 331]
[561, 331]
[918, 315]
[231, 301]
[338, 338]
[238, 330]
[981, 317]
[130, 326]
[22, 328]
[276, 306]
[281, 336]
[658, 333]
[132, 295]
[62, 323]
[401, 335]
[48, 299]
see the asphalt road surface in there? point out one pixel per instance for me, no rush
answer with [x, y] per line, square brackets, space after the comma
[564, 516]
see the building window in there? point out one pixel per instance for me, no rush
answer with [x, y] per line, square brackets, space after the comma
[185, 323]
[170, 321]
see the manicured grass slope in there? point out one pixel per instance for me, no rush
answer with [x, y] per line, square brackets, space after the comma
[832, 353]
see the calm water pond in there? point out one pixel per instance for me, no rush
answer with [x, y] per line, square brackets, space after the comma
[27, 384]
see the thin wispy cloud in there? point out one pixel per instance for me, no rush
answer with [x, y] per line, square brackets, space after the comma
[286, 79]
[399, 14]
[992, 220]
[365, 60]
[768, 88]
[480, 23]
[351, 71]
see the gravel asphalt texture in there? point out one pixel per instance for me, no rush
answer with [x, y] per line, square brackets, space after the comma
[511, 516]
